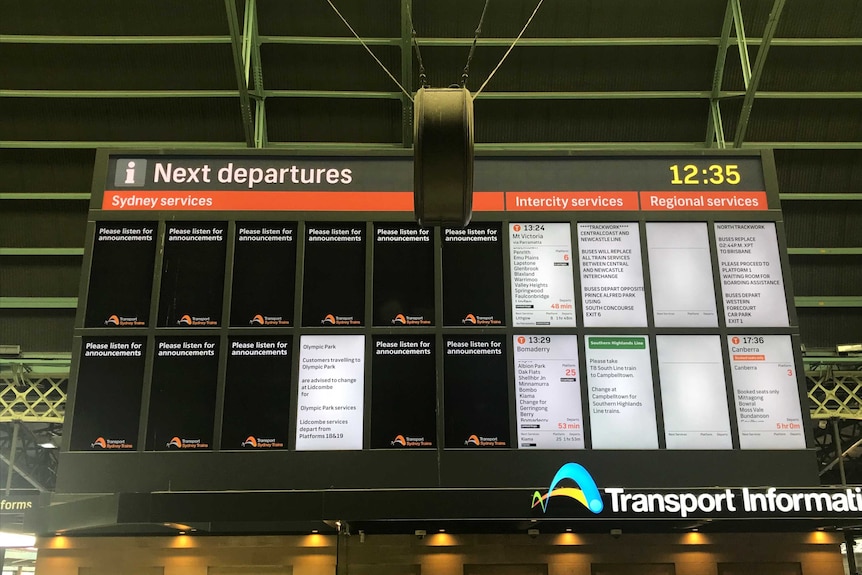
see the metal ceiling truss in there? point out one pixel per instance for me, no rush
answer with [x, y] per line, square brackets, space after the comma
[245, 44]
[23, 463]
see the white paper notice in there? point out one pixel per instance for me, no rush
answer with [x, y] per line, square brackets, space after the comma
[543, 290]
[612, 279]
[681, 274]
[549, 396]
[766, 392]
[751, 275]
[331, 392]
[693, 392]
[622, 406]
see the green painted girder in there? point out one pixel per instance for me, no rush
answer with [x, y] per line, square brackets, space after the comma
[818, 197]
[43, 39]
[828, 301]
[375, 146]
[345, 40]
[118, 145]
[38, 302]
[358, 94]
[119, 94]
[560, 42]
[367, 94]
[41, 251]
[44, 196]
[824, 251]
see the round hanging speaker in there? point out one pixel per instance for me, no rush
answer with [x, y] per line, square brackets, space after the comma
[443, 156]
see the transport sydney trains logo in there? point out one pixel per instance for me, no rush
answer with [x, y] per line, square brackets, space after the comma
[584, 490]
[472, 319]
[190, 320]
[120, 321]
[480, 441]
[183, 443]
[260, 319]
[103, 443]
[330, 319]
[402, 319]
[408, 441]
[261, 442]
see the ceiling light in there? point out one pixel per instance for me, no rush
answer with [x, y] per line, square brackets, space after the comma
[8, 539]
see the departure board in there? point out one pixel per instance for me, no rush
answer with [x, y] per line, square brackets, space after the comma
[596, 306]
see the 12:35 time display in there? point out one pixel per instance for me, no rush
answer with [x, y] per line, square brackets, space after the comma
[715, 174]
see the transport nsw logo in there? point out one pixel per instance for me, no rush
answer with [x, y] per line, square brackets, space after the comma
[585, 490]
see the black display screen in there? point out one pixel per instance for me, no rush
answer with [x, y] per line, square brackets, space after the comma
[473, 275]
[403, 275]
[108, 394]
[121, 274]
[182, 396]
[264, 274]
[475, 391]
[193, 274]
[257, 393]
[333, 292]
[403, 392]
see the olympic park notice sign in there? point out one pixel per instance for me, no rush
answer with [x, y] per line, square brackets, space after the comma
[631, 312]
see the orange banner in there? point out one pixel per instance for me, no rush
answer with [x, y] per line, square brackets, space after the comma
[570, 201]
[279, 201]
[703, 201]
[259, 201]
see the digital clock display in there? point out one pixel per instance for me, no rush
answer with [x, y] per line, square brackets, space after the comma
[713, 174]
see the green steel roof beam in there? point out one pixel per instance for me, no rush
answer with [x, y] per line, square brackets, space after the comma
[714, 127]
[804, 145]
[38, 302]
[828, 301]
[740, 41]
[406, 44]
[359, 95]
[824, 251]
[559, 42]
[118, 145]
[237, 44]
[322, 40]
[44, 196]
[540, 95]
[41, 251]
[118, 93]
[42, 39]
[757, 72]
[818, 197]
[261, 139]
